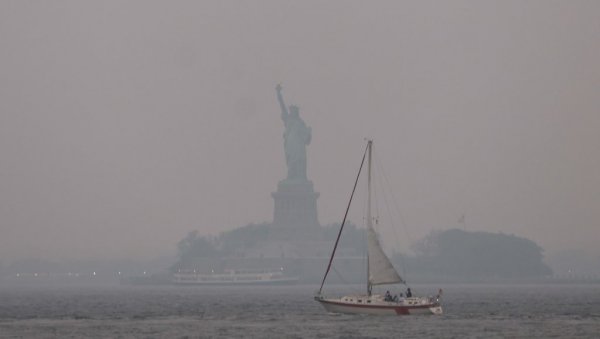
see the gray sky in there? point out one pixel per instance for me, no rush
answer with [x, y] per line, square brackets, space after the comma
[126, 124]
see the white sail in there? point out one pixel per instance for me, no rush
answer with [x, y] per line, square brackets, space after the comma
[381, 270]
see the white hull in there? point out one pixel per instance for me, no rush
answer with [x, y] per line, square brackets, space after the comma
[380, 271]
[374, 305]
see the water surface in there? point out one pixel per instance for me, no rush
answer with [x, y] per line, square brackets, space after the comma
[471, 311]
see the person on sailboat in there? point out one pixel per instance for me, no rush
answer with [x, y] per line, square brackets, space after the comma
[380, 271]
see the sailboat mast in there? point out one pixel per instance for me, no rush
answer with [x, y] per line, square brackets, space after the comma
[369, 216]
[337, 240]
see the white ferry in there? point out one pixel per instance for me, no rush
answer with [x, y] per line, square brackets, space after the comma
[234, 277]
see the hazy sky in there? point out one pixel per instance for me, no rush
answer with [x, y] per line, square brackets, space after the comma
[126, 124]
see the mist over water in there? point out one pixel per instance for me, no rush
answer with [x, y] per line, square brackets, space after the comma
[127, 127]
[473, 311]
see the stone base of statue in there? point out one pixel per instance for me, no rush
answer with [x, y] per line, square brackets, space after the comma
[295, 204]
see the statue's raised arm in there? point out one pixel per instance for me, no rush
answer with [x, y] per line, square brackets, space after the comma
[295, 138]
[284, 111]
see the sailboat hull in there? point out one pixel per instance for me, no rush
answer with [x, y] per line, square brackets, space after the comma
[380, 271]
[366, 306]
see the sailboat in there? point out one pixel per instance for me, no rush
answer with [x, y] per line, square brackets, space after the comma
[380, 271]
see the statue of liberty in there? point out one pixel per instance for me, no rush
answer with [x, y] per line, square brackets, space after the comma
[296, 137]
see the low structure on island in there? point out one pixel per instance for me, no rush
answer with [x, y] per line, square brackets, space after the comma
[293, 243]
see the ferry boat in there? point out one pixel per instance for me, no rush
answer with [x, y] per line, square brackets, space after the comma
[235, 277]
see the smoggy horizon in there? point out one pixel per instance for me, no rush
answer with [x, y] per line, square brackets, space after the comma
[125, 125]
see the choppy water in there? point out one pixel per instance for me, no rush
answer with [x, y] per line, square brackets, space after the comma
[472, 311]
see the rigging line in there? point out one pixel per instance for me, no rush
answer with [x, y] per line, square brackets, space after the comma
[364, 266]
[377, 184]
[395, 201]
[363, 195]
[396, 238]
[345, 216]
[338, 275]
[344, 281]
[365, 254]
[387, 206]
[387, 192]
[377, 215]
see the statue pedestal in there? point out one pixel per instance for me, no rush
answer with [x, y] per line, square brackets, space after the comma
[295, 204]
